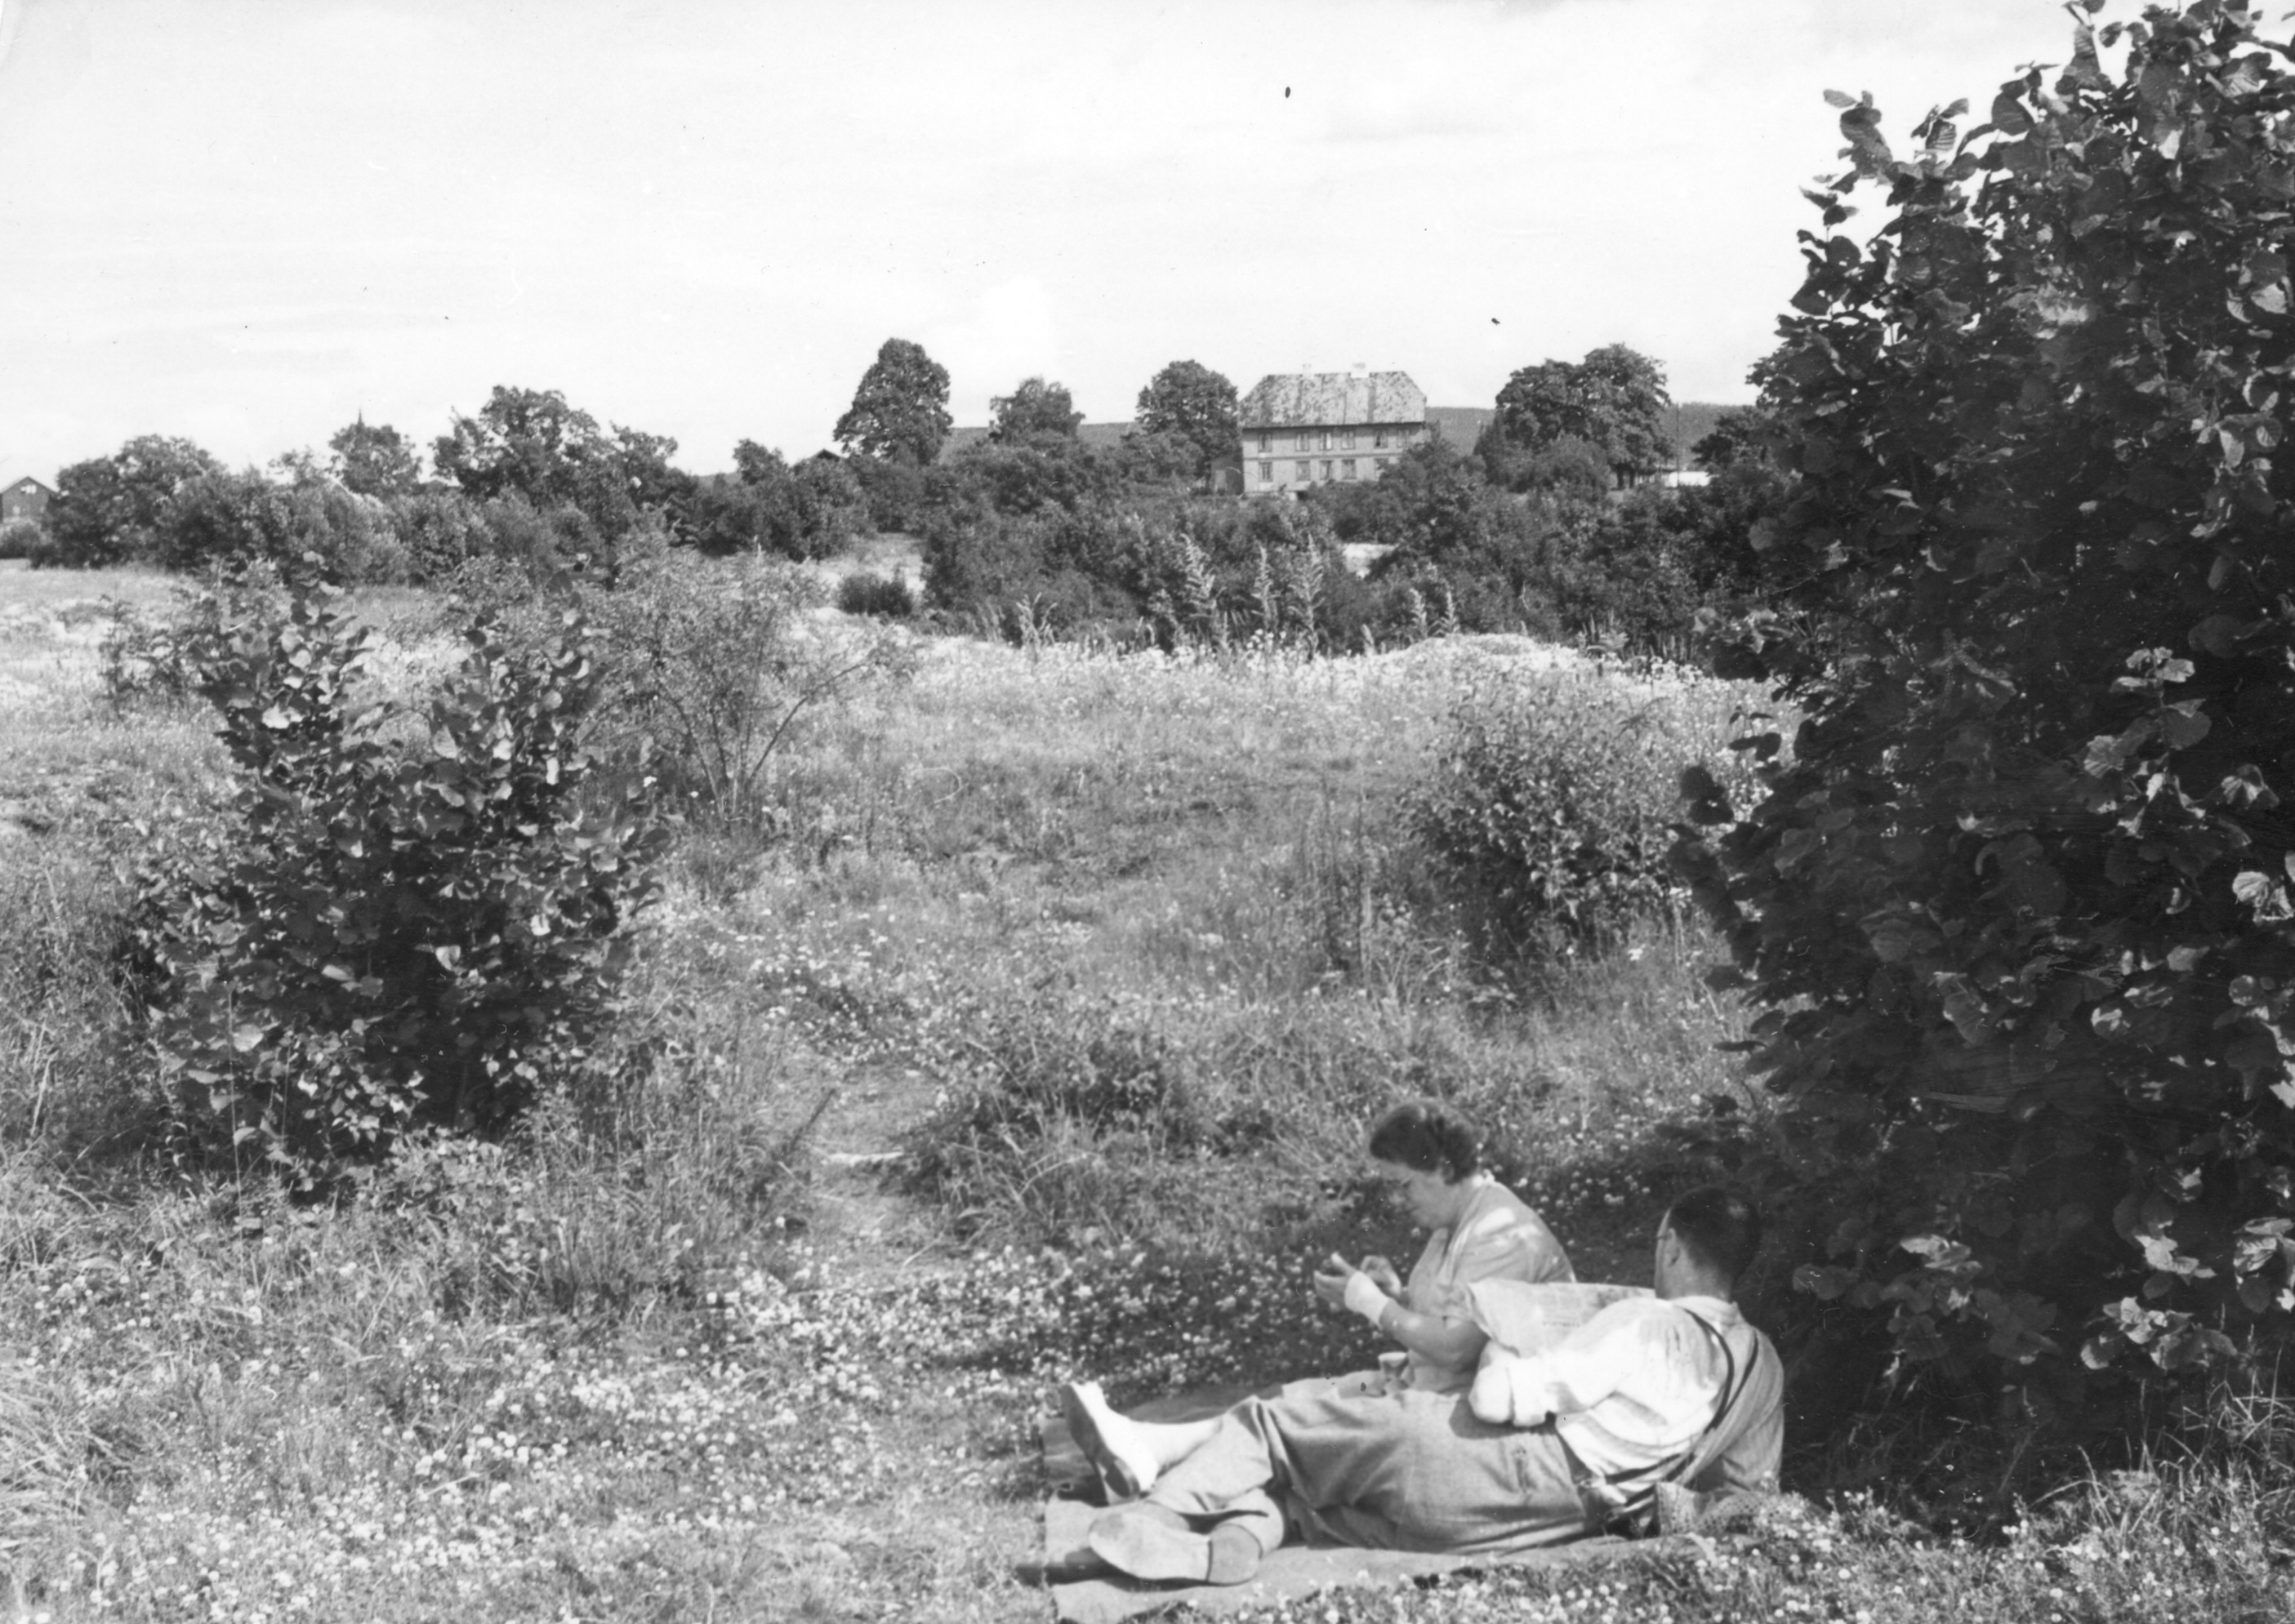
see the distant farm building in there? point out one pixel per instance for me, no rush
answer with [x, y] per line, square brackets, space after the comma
[1460, 426]
[28, 498]
[1099, 437]
[1301, 430]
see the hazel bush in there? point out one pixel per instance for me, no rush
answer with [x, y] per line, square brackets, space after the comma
[2016, 912]
[405, 919]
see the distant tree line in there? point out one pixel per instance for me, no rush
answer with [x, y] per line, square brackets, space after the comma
[1549, 523]
[529, 480]
[1553, 524]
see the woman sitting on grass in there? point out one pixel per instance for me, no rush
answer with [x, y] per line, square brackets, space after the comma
[1434, 1157]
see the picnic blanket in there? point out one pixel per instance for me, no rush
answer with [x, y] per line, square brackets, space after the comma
[1086, 1592]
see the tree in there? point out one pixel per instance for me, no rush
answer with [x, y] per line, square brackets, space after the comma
[1614, 399]
[811, 511]
[831, 507]
[1739, 434]
[2015, 905]
[646, 469]
[532, 445]
[900, 412]
[1035, 409]
[375, 460]
[108, 509]
[1189, 401]
[1023, 476]
[1443, 520]
[308, 519]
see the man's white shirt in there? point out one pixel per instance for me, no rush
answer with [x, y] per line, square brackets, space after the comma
[1630, 1390]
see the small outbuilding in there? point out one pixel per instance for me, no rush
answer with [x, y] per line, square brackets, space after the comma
[27, 498]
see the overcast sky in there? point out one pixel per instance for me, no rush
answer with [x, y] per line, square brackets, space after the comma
[246, 221]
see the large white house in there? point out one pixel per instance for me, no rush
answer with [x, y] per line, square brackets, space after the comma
[1308, 429]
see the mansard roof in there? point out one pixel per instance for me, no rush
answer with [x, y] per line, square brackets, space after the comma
[1303, 400]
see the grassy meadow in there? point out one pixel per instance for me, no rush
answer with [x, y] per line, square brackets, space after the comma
[1036, 1033]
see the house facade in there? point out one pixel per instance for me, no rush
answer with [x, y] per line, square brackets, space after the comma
[27, 498]
[1301, 429]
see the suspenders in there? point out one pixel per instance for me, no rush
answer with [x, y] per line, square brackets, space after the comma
[1617, 1498]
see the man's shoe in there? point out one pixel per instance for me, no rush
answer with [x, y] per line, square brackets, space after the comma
[1117, 1481]
[1156, 1542]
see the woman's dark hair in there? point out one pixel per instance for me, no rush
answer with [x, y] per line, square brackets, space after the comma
[1427, 1139]
[1720, 1228]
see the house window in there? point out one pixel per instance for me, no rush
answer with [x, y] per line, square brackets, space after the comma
[1347, 439]
[1303, 471]
[1266, 472]
[1266, 444]
[1326, 468]
[1326, 439]
[1347, 469]
[1378, 439]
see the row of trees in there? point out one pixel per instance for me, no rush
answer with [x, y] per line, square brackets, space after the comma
[898, 424]
[529, 478]
[535, 478]
[1523, 532]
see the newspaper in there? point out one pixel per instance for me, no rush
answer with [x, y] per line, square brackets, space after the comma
[1524, 1318]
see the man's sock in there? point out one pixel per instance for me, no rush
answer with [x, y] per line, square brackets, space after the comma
[1126, 1466]
[1156, 1542]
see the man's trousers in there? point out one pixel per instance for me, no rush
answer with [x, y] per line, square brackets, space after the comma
[1406, 1472]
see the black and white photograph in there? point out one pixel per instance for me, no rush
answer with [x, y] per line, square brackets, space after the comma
[1326, 811]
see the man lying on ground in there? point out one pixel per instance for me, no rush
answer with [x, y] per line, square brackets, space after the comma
[1435, 1160]
[1548, 1446]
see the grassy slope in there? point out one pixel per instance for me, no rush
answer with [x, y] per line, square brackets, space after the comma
[686, 1362]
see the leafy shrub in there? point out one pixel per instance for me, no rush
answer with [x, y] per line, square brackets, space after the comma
[866, 592]
[2018, 908]
[894, 489]
[1631, 573]
[1549, 810]
[166, 658]
[545, 543]
[722, 666]
[113, 509]
[441, 531]
[813, 511]
[21, 538]
[408, 920]
[212, 519]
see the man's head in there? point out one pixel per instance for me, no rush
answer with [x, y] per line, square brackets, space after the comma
[1705, 1242]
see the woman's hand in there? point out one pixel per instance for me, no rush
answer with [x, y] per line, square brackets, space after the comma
[1382, 1275]
[1331, 1279]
